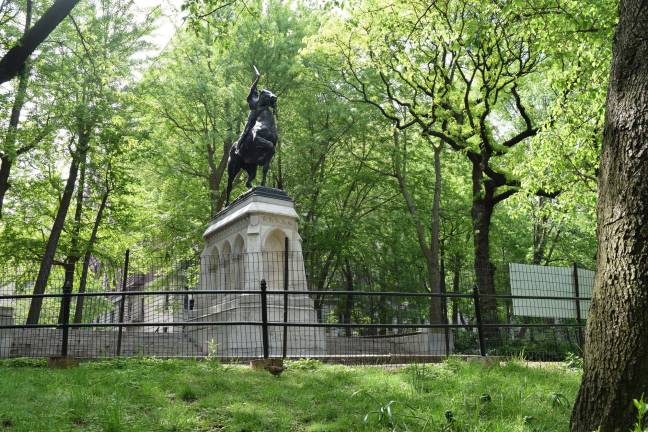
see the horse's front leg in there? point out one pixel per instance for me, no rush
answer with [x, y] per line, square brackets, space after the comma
[266, 167]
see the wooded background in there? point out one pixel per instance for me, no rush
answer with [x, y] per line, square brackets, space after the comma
[423, 142]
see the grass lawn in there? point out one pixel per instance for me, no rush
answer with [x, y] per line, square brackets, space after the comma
[183, 395]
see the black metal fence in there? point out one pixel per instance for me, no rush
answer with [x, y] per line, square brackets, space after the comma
[239, 306]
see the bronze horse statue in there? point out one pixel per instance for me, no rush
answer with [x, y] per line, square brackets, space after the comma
[256, 145]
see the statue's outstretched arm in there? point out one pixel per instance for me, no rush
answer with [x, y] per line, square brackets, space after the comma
[253, 96]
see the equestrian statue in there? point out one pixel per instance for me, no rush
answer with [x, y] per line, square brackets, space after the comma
[256, 145]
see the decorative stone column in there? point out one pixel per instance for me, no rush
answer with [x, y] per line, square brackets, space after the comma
[244, 244]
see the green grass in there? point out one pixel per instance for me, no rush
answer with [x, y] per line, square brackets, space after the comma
[174, 395]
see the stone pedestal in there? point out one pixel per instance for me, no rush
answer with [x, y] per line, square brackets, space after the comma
[6, 318]
[6, 335]
[244, 244]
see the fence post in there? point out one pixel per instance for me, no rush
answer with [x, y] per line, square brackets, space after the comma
[478, 317]
[65, 312]
[577, 304]
[285, 311]
[264, 318]
[122, 302]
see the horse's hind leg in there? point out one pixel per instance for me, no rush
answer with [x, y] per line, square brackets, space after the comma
[252, 172]
[266, 167]
[265, 149]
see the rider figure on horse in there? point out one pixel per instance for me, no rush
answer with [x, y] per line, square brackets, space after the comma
[256, 145]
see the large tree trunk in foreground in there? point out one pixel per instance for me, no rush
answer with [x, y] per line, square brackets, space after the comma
[616, 348]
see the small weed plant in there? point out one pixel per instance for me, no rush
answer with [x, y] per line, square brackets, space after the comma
[385, 415]
[642, 409]
[212, 350]
[573, 361]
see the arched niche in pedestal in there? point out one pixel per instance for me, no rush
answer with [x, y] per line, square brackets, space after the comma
[274, 246]
[225, 266]
[237, 263]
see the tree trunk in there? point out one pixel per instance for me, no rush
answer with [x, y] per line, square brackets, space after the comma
[57, 228]
[12, 129]
[430, 251]
[74, 254]
[481, 217]
[5, 170]
[456, 280]
[482, 213]
[436, 303]
[78, 312]
[216, 172]
[540, 234]
[348, 304]
[616, 348]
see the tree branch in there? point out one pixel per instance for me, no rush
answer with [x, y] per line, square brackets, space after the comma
[529, 131]
[14, 60]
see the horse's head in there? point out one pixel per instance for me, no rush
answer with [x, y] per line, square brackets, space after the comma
[267, 99]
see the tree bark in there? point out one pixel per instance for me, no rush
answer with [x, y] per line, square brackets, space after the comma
[616, 348]
[14, 60]
[57, 228]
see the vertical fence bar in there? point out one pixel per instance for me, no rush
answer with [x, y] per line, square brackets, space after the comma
[122, 302]
[264, 318]
[478, 317]
[65, 311]
[577, 304]
[285, 300]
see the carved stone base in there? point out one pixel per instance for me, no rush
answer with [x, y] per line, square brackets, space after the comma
[244, 244]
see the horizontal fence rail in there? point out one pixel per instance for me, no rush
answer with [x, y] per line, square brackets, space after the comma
[241, 306]
[276, 292]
